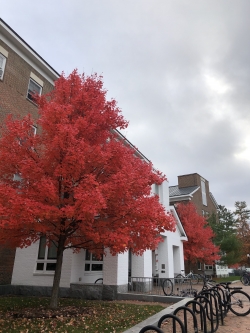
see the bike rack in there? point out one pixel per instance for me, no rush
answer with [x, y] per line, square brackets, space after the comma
[201, 312]
[209, 305]
[221, 309]
[175, 320]
[185, 309]
[210, 300]
[151, 328]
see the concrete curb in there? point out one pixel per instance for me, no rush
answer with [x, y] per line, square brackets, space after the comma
[153, 320]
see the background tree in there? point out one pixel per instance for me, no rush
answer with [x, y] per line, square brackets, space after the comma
[199, 246]
[225, 231]
[242, 214]
[77, 182]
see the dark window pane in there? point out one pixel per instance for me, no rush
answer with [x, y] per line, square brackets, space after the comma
[50, 266]
[66, 195]
[87, 255]
[87, 267]
[52, 251]
[33, 89]
[39, 266]
[42, 245]
[96, 267]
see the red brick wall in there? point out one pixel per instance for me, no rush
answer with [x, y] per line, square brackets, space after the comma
[195, 180]
[13, 92]
[13, 88]
[188, 180]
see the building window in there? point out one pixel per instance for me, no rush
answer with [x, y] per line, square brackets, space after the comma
[46, 260]
[203, 192]
[33, 88]
[157, 190]
[205, 214]
[199, 266]
[92, 263]
[208, 267]
[34, 128]
[2, 65]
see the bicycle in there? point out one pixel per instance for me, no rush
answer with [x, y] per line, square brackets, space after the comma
[208, 283]
[234, 299]
[245, 278]
[203, 276]
[193, 278]
[167, 287]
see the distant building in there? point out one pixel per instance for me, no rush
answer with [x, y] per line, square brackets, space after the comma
[195, 188]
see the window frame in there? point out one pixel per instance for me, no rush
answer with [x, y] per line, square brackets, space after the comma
[4, 65]
[29, 93]
[203, 192]
[44, 260]
[208, 267]
[91, 262]
[34, 127]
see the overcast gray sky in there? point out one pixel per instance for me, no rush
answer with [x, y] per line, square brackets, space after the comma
[180, 71]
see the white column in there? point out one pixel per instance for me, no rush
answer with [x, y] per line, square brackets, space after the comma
[164, 195]
[141, 266]
[165, 258]
[115, 269]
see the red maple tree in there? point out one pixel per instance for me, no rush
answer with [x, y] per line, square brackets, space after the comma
[199, 245]
[77, 181]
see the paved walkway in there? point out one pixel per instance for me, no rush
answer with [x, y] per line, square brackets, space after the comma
[232, 323]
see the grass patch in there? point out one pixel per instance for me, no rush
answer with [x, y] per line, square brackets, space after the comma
[227, 279]
[91, 316]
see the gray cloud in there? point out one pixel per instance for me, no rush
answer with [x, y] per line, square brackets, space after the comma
[178, 69]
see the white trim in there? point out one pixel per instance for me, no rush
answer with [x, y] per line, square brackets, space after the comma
[36, 78]
[44, 261]
[91, 261]
[26, 53]
[3, 66]
[4, 52]
[34, 127]
[178, 197]
[29, 92]
[47, 273]
[179, 226]
[208, 267]
[203, 192]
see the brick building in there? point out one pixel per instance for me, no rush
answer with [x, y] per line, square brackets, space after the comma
[22, 71]
[194, 188]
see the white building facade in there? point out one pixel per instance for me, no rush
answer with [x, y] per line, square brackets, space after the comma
[83, 268]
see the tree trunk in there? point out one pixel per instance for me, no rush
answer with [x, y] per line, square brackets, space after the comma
[57, 276]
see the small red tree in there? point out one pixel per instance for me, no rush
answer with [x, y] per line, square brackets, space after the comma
[199, 245]
[79, 183]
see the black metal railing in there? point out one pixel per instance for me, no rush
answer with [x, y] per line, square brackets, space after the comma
[162, 286]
